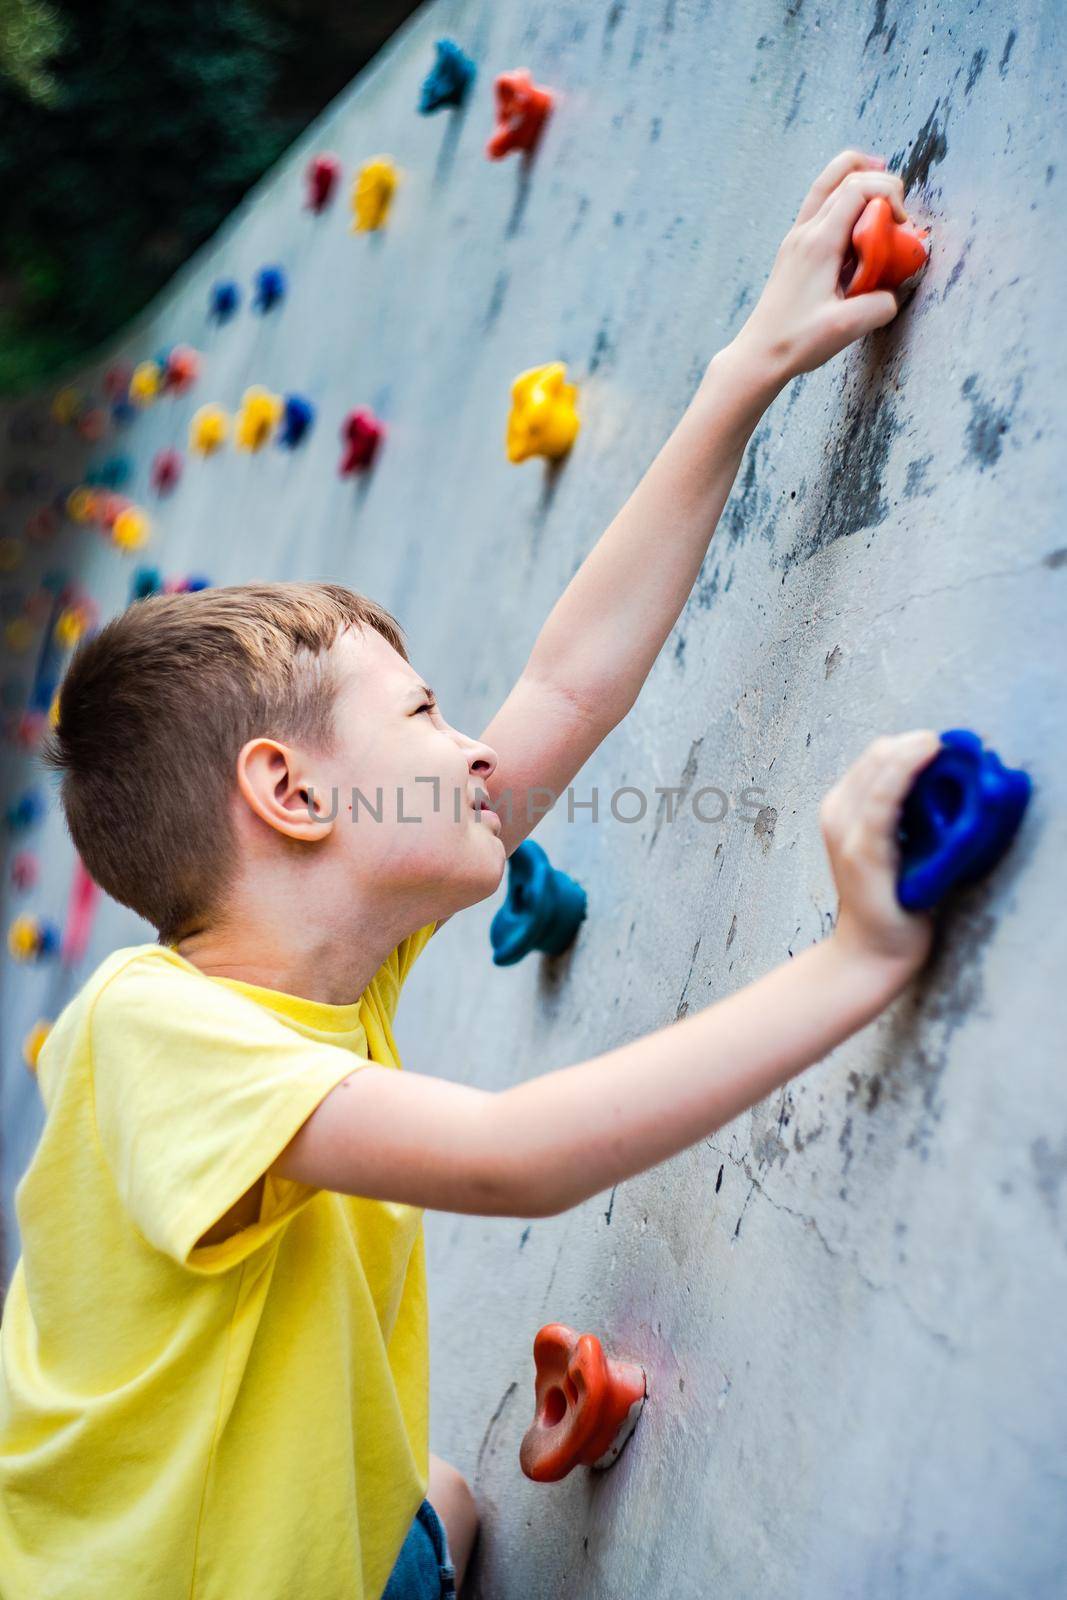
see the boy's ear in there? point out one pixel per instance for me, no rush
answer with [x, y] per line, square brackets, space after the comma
[275, 784]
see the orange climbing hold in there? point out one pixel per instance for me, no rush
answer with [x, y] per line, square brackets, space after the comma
[522, 109]
[886, 254]
[587, 1405]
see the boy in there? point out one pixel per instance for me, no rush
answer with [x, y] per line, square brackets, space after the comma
[214, 1380]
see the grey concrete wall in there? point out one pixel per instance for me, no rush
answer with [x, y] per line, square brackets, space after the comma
[850, 1302]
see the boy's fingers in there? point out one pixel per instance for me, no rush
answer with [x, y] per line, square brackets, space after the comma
[840, 213]
[832, 174]
[891, 778]
[868, 311]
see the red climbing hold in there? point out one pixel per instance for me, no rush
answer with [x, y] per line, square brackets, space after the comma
[886, 254]
[361, 434]
[182, 369]
[522, 109]
[322, 177]
[166, 470]
[587, 1405]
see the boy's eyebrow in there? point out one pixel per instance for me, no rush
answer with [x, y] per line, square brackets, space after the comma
[422, 691]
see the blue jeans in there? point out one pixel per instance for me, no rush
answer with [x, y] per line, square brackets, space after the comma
[423, 1569]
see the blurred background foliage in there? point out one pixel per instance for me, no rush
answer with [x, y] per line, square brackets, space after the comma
[129, 129]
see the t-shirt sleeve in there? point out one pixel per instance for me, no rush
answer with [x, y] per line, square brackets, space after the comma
[196, 1091]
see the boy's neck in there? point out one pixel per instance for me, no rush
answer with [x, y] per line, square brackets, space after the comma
[331, 968]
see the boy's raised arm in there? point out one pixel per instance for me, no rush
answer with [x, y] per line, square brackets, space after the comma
[553, 1141]
[598, 644]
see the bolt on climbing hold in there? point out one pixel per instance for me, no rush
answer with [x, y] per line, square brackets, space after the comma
[885, 254]
[146, 581]
[321, 179]
[181, 369]
[269, 290]
[33, 1043]
[298, 418]
[92, 424]
[74, 621]
[116, 381]
[32, 938]
[166, 471]
[225, 299]
[114, 473]
[131, 528]
[25, 870]
[449, 79]
[959, 818]
[257, 419]
[42, 524]
[372, 194]
[208, 430]
[81, 504]
[362, 435]
[544, 420]
[522, 109]
[146, 382]
[543, 909]
[586, 1405]
[67, 406]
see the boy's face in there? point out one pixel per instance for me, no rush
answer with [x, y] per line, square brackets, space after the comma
[432, 845]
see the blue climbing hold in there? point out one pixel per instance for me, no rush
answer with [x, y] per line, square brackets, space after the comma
[22, 813]
[270, 289]
[543, 909]
[146, 581]
[195, 583]
[114, 473]
[123, 412]
[298, 418]
[960, 817]
[225, 298]
[449, 79]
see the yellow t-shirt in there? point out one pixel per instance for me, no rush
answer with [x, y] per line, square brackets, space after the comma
[240, 1421]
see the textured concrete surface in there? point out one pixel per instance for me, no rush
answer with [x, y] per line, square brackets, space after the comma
[851, 1302]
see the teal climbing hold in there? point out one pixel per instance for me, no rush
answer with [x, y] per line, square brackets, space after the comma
[543, 909]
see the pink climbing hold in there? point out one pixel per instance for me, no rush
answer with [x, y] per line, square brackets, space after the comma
[361, 434]
[166, 470]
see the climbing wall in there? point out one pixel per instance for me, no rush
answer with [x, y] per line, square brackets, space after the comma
[850, 1302]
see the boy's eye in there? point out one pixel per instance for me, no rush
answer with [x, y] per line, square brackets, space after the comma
[429, 706]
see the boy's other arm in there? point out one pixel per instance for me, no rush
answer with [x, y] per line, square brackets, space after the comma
[547, 1144]
[598, 644]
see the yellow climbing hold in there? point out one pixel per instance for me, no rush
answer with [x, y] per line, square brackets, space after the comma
[257, 419]
[23, 938]
[10, 554]
[53, 711]
[18, 635]
[34, 1042]
[131, 529]
[372, 193]
[66, 405]
[70, 626]
[146, 382]
[81, 504]
[209, 430]
[543, 420]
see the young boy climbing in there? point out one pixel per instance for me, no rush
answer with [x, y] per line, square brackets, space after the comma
[214, 1350]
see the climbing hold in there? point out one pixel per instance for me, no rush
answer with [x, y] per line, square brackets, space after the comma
[11, 554]
[191, 585]
[225, 299]
[181, 369]
[114, 473]
[362, 434]
[208, 431]
[146, 383]
[542, 911]
[372, 194]
[81, 504]
[257, 419]
[42, 524]
[18, 635]
[131, 528]
[25, 812]
[92, 424]
[959, 818]
[116, 382]
[166, 470]
[25, 870]
[66, 406]
[298, 418]
[32, 938]
[74, 621]
[522, 109]
[81, 909]
[543, 420]
[29, 729]
[885, 254]
[34, 1043]
[269, 289]
[449, 79]
[108, 508]
[586, 1405]
[123, 412]
[321, 177]
[146, 581]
